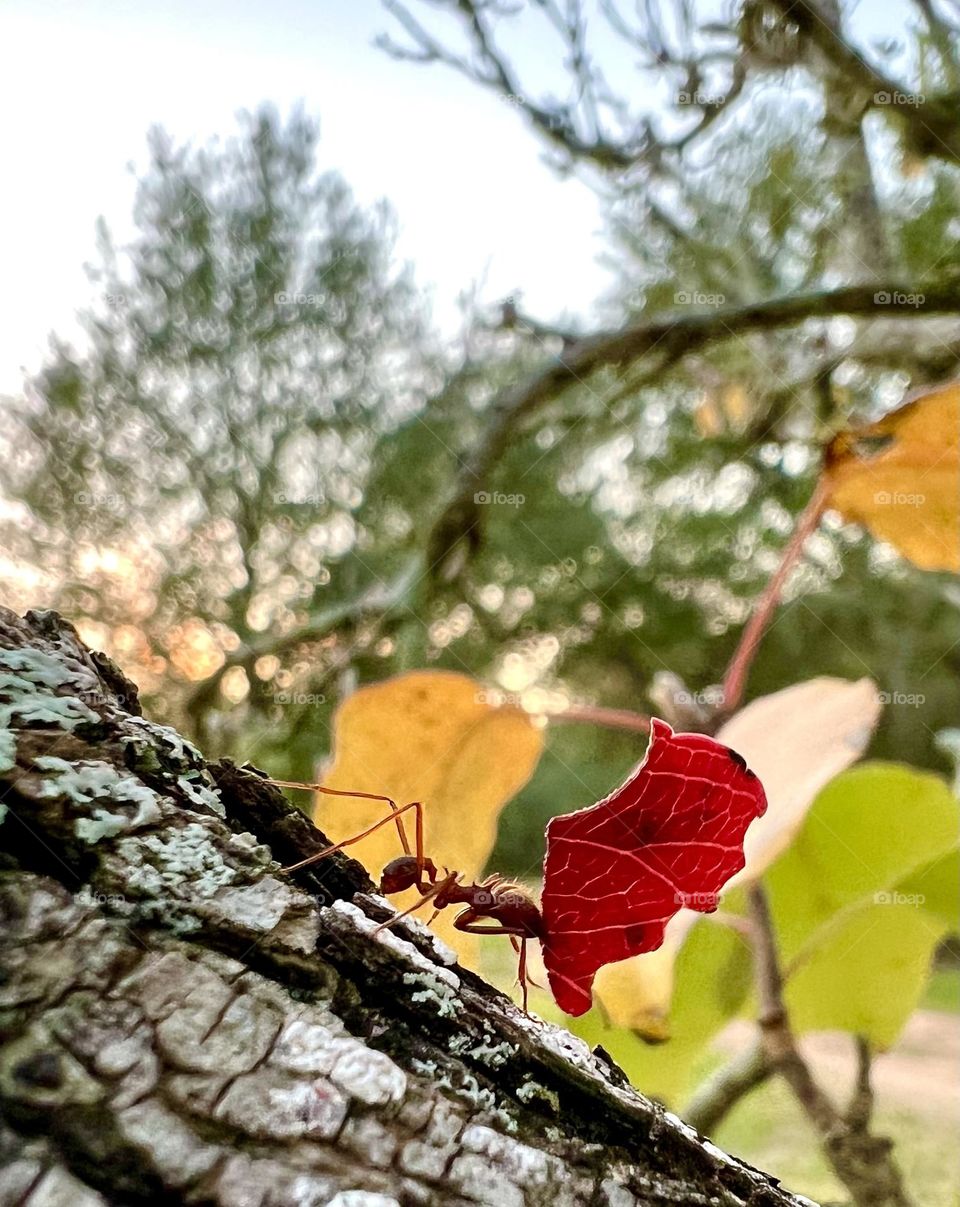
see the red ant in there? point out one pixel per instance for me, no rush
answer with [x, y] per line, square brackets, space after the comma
[506, 904]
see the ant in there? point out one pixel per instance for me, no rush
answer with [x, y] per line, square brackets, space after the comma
[508, 906]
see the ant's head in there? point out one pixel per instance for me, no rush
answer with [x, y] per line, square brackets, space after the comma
[399, 874]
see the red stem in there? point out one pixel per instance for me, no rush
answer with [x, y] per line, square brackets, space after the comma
[736, 677]
[612, 718]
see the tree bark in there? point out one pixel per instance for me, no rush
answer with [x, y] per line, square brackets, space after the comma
[182, 1023]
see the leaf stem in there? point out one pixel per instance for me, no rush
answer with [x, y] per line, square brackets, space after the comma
[735, 679]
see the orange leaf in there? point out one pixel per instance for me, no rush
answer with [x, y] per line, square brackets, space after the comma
[900, 478]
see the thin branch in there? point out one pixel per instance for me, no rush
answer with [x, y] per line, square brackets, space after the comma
[610, 718]
[675, 337]
[736, 676]
[863, 1162]
[720, 1093]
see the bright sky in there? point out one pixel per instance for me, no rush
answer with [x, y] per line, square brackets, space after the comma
[81, 82]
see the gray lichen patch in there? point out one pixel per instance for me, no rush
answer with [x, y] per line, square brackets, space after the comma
[8, 750]
[176, 750]
[177, 864]
[430, 989]
[168, 1145]
[94, 782]
[33, 668]
[270, 906]
[401, 947]
[29, 680]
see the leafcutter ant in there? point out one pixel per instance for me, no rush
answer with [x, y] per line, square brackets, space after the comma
[494, 906]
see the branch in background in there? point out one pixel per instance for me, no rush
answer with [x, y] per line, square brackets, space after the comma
[611, 718]
[556, 123]
[863, 1162]
[736, 676]
[373, 604]
[720, 1093]
[672, 338]
[931, 126]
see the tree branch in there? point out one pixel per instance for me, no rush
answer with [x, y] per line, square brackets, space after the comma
[931, 124]
[674, 338]
[736, 676]
[863, 1162]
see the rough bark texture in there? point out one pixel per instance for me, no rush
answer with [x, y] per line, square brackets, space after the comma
[180, 1022]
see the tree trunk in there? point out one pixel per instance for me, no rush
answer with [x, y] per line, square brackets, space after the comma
[182, 1023]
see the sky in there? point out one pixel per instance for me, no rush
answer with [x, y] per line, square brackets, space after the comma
[81, 82]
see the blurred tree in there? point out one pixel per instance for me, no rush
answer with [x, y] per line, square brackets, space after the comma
[189, 479]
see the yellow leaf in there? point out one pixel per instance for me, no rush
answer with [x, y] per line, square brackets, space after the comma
[429, 736]
[636, 993]
[796, 740]
[899, 478]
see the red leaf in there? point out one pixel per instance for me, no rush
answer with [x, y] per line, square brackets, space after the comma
[616, 873]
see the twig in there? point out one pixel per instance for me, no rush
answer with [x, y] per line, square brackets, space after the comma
[611, 718]
[720, 1093]
[735, 679]
[863, 1162]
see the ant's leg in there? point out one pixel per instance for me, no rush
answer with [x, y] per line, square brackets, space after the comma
[470, 922]
[427, 895]
[384, 821]
[387, 800]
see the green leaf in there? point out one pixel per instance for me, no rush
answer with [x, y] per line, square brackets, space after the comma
[862, 898]
[868, 829]
[868, 976]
